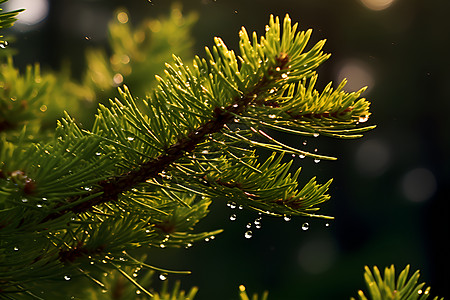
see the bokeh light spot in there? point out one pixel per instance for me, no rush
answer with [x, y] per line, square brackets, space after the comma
[377, 4]
[35, 10]
[118, 78]
[43, 108]
[372, 158]
[317, 255]
[419, 185]
[122, 17]
[357, 73]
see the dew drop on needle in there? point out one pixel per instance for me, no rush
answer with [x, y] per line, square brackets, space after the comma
[162, 277]
[305, 226]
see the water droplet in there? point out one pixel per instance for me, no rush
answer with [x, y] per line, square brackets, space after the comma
[162, 277]
[206, 239]
[231, 204]
[188, 245]
[363, 119]
[236, 120]
[212, 237]
[248, 234]
[39, 205]
[257, 221]
[44, 199]
[315, 150]
[317, 161]
[301, 156]
[98, 153]
[305, 142]
[284, 76]
[327, 224]
[138, 292]
[130, 138]
[87, 188]
[24, 200]
[278, 69]
[249, 225]
[287, 218]
[305, 226]
[241, 207]
[272, 116]
[104, 291]
[67, 277]
[16, 248]
[267, 27]
[233, 217]
[293, 155]
[135, 274]
[315, 134]
[162, 246]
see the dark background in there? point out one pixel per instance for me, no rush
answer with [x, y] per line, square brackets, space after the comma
[390, 192]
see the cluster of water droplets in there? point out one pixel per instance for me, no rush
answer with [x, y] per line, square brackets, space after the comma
[207, 239]
[305, 226]
[302, 155]
[165, 240]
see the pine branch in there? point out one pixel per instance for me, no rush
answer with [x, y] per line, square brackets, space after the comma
[268, 79]
[146, 172]
[387, 287]
[112, 187]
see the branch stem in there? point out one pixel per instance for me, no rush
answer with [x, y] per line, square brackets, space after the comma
[114, 186]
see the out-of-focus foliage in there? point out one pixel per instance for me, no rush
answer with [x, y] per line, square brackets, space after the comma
[138, 54]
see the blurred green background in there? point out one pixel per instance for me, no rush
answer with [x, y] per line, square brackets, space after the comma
[390, 194]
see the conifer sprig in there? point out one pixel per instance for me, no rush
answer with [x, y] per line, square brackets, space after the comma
[192, 104]
[7, 20]
[388, 287]
[147, 171]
